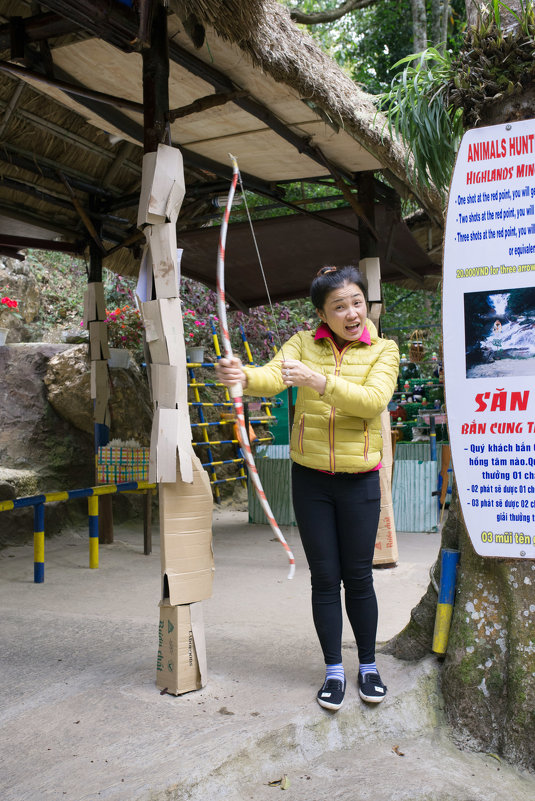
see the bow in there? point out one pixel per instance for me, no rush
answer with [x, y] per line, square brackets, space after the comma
[236, 390]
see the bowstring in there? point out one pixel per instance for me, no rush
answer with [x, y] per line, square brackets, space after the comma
[273, 317]
[259, 257]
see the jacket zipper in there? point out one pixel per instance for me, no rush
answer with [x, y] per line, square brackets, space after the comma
[338, 357]
[366, 441]
[301, 433]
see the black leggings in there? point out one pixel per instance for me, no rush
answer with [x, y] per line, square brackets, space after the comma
[337, 516]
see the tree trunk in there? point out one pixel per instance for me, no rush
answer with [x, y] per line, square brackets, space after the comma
[475, 7]
[439, 22]
[419, 25]
[489, 671]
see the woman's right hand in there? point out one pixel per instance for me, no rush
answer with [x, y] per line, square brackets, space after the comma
[230, 371]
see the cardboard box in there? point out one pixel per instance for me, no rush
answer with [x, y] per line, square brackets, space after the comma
[164, 331]
[94, 304]
[98, 340]
[371, 268]
[100, 380]
[169, 386]
[187, 558]
[170, 434]
[163, 255]
[386, 547]
[162, 186]
[181, 661]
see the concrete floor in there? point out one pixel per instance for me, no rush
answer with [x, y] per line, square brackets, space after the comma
[81, 718]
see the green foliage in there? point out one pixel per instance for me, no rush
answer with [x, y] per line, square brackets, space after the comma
[366, 43]
[410, 309]
[263, 329]
[62, 281]
[417, 111]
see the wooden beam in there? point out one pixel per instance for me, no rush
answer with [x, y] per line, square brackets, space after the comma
[72, 89]
[204, 103]
[10, 107]
[69, 136]
[48, 168]
[39, 27]
[125, 150]
[28, 215]
[84, 216]
[19, 242]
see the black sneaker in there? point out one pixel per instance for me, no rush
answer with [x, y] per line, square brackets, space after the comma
[331, 695]
[371, 688]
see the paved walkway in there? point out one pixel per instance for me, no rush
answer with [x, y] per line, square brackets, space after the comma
[82, 720]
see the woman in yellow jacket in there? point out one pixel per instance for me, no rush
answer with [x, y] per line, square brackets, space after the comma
[345, 376]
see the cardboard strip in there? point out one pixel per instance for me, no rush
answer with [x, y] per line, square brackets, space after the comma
[99, 378]
[186, 537]
[98, 340]
[163, 251]
[162, 186]
[94, 303]
[181, 659]
[169, 434]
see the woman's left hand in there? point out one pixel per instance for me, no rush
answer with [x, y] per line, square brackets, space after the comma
[296, 374]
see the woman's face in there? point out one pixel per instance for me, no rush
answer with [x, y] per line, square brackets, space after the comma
[344, 312]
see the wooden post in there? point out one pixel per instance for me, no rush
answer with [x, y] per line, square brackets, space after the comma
[102, 431]
[386, 551]
[156, 131]
[156, 84]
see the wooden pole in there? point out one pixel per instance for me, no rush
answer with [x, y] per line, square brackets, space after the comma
[101, 431]
[156, 130]
[156, 84]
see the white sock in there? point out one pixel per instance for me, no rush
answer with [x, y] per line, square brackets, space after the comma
[371, 667]
[335, 672]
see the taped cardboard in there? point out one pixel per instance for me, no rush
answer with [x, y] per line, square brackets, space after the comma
[371, 268]
[181, 661]
[144, 281]
[94, 303]
[162, 186]
[171, 434]
[162, 243]
[99, 378]
[166, 389]
[186, 554]
[386, 547]
[98, 340]
[164, 331]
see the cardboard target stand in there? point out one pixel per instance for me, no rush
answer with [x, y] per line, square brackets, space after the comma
[187, 561]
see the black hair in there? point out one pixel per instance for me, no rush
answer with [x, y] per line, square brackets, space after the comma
[329, 278]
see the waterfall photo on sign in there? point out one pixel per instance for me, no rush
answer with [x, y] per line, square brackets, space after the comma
[500, 333]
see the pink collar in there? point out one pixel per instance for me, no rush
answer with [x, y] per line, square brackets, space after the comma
[324, 332]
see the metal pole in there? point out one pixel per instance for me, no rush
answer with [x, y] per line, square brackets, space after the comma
[92, 509]
[39, 543]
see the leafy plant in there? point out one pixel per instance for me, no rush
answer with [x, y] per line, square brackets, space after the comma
[125, 328]
[9, 305]
[418, 112]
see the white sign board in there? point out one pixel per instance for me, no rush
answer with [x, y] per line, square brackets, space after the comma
[489, 336]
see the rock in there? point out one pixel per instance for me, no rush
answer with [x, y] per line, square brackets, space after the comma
[18, 283]
[39, 451]
[74, 336]
[68, 380]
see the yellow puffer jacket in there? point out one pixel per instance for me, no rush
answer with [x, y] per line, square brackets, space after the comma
[339, 431]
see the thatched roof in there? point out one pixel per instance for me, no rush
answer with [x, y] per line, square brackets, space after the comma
[296, 116]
